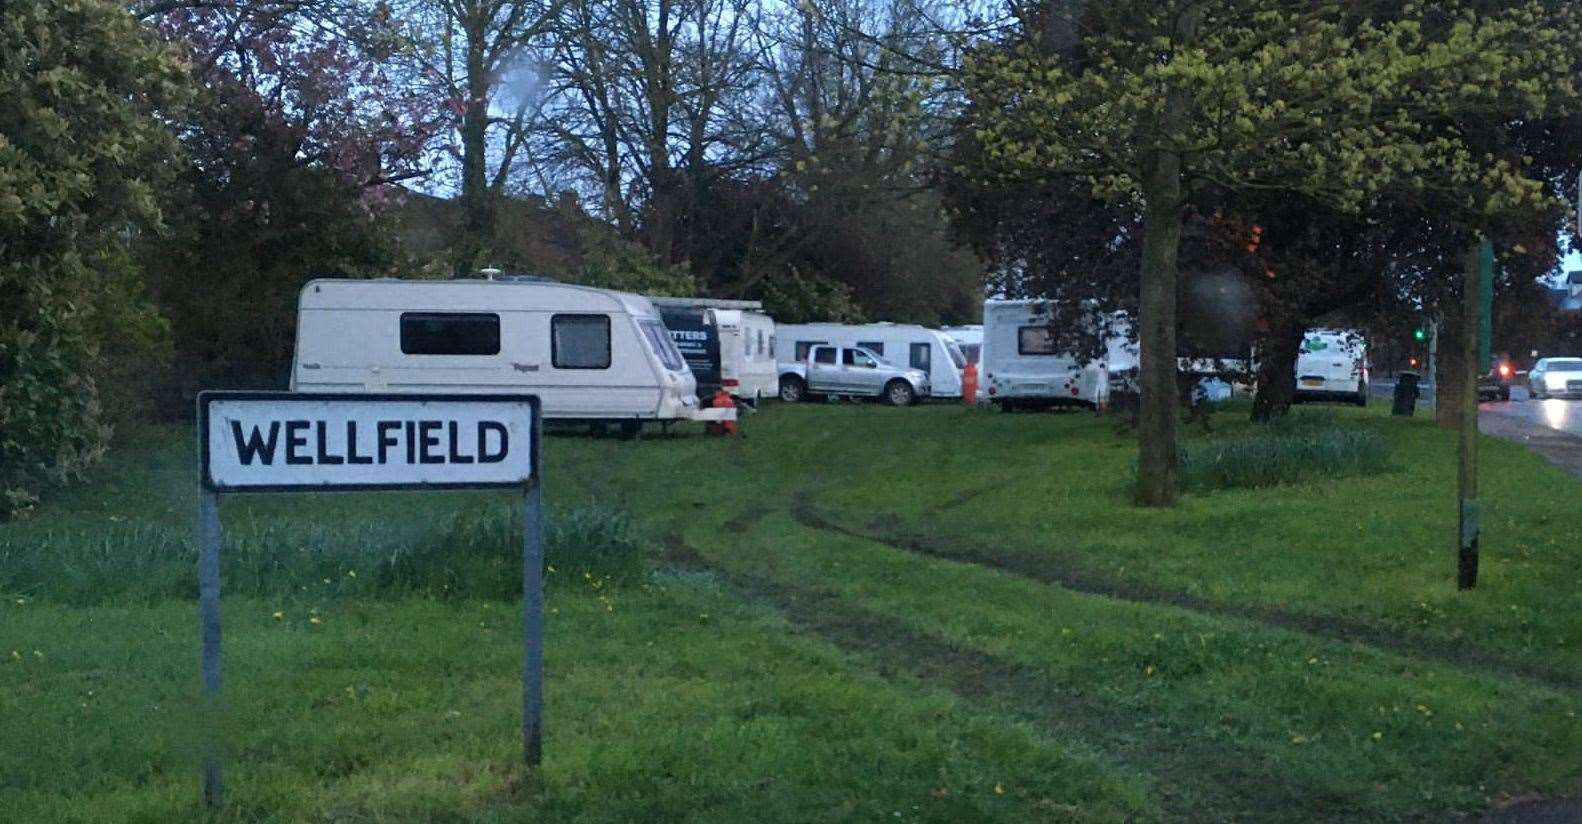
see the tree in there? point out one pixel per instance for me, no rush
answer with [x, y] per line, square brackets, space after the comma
[294, 142]
[472, 58]
[82, 157]
[643, 102]
[1145, 101]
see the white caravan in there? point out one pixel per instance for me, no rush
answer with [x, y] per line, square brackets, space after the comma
[729, 344]
[1022, 365]
[929, 351]
[1332, 365]
[589, 354]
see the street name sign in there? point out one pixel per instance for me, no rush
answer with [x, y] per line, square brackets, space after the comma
[258, 442]
[269, 441]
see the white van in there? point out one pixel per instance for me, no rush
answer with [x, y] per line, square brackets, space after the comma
[1023, 367]
[1333, 365]
[589, 354]
[929, 351]
[729, 344]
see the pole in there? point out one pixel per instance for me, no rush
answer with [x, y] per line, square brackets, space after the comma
[1467, 477]
[533, 606]
[1433, 363]
[209, 634]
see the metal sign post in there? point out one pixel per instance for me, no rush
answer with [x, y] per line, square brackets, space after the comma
[290, 442]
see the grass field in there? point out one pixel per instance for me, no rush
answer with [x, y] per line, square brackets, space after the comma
[853, 613]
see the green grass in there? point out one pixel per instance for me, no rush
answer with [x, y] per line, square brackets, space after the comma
[1285, 454]
[473, 551]
[859, 613]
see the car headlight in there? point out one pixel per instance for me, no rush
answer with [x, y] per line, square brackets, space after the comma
[1553, 381]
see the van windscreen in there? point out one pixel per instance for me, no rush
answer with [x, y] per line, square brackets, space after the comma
[450, 333]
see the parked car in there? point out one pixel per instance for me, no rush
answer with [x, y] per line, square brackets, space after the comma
[728, 344]
[1333, 365]
[1556, 378]
[1496, 384]
[851, 371]
[929, 351]
[590, 354]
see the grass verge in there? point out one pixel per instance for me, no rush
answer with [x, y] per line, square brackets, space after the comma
[893, 658]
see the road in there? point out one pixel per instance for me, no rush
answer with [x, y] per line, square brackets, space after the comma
[1560, 415]
[1553, 413]
[1552, 428]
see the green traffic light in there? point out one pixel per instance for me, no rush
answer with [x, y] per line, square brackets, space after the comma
[1418, 334]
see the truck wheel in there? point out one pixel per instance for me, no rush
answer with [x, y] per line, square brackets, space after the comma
[899, 393]
[1362, 394]
[792, 389]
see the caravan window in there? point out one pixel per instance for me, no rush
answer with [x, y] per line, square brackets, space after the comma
[956, 357]
[450, 333]
[922, 354]
[872, 346]
[1035, 340]
[802, 347]
[579, 341]
[760, 343]
[664, 345]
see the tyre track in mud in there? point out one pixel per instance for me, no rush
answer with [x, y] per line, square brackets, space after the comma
[1197, 778]
[1067, 575]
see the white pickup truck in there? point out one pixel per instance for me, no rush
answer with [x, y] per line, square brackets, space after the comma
[850, 371]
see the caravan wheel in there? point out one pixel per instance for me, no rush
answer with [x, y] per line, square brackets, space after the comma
[792, 389]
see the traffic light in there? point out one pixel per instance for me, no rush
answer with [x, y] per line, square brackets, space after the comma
[1419, 335]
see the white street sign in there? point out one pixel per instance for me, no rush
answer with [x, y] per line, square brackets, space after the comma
[291, 442]
[277, 441]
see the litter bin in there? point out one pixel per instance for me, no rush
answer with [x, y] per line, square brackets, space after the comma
[1405, 394]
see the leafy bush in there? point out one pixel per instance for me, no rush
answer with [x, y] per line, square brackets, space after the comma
[81, 157]
[475, 553]
[1295, 451]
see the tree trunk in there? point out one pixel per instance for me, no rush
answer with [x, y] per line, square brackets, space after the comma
[1277, 372]
[476, 196]
[1158, 482]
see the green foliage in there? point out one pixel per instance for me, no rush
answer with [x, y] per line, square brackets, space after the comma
[473, 553]
[1320, 99]
[81, 158]
[795, 297]
[610, 262]
[1294, 449]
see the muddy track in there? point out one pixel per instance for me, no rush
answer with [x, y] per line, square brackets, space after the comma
[1199, 779]
[1066, 574]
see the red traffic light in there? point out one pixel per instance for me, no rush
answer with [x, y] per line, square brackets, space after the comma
[1412, 362]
